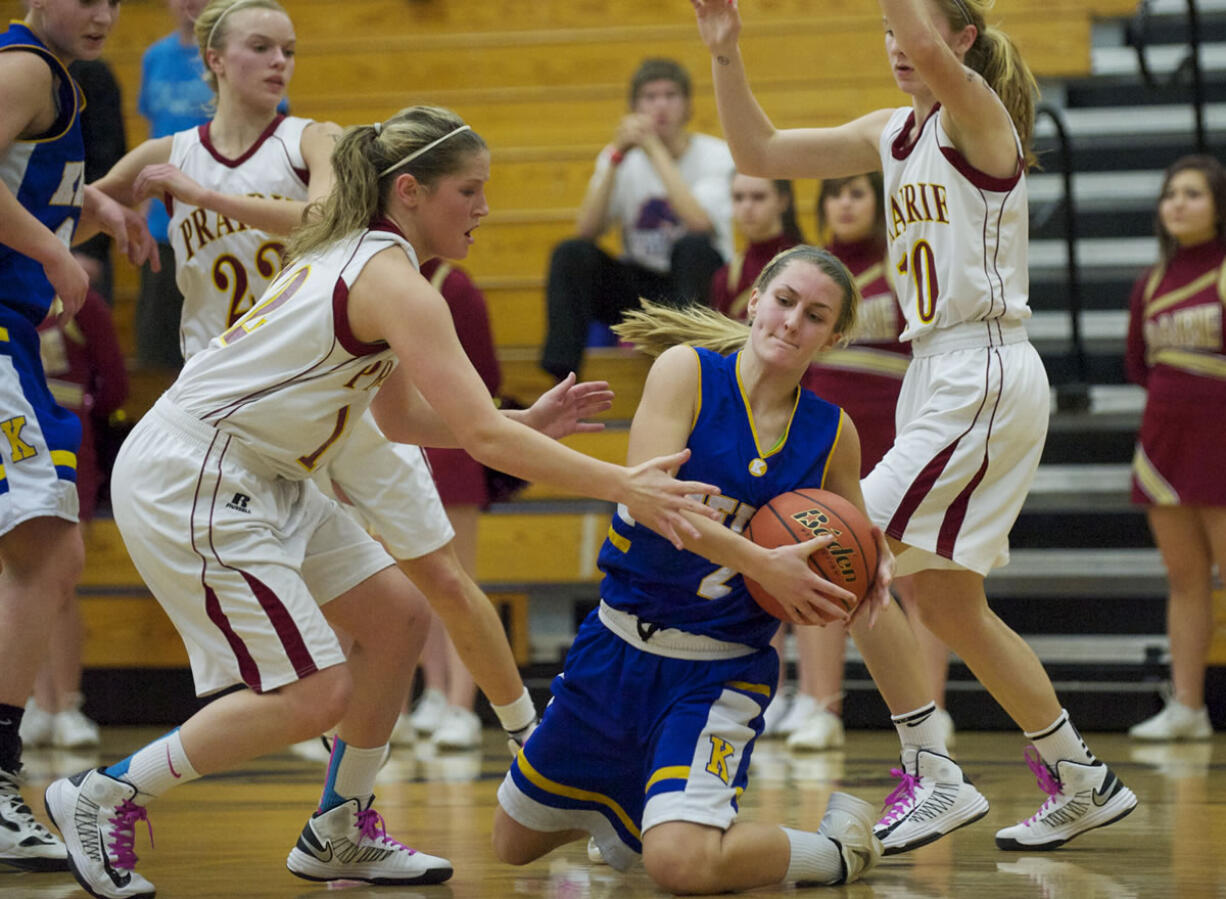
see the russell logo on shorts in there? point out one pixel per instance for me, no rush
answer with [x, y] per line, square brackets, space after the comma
[240, 503]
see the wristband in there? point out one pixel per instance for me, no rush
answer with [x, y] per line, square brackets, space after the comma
[516, 715]
[616, 157]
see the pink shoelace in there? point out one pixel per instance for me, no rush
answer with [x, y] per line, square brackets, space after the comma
[373, 827]
[1047, 782]
[124, 825]
[904, 794]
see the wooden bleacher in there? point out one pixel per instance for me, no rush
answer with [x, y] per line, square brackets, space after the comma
[543, 81]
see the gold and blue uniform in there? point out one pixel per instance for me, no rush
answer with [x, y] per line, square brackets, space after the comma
[47, 176]
[656, 712]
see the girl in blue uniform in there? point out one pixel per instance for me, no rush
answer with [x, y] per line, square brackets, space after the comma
[44, 204]
[647, 741]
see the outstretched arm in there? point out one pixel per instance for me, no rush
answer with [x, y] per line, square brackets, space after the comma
[971, 112]
[757, 146]
[390, 301]
[159, 178]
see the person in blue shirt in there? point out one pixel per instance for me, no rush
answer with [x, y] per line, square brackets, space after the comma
[44, 206]
[646, 744]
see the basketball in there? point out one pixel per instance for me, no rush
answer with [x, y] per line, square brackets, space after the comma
[799, 515]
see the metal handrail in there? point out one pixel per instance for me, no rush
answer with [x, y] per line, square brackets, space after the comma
[1073, 395]
[1138, 37]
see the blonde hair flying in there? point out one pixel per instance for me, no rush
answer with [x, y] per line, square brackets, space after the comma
[655, 327]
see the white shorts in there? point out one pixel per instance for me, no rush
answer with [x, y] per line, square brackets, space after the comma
[387, 486]
[971, 425]
[38, 449]
[240, 559]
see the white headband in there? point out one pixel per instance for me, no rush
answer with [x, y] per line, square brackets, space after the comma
[225, 12]
[420, 150]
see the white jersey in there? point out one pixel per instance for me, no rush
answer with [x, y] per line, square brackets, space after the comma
[289, 378]
[223, 266]
[958, 238]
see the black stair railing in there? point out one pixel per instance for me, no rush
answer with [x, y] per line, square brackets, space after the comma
[1189, 66]
[1072, 395]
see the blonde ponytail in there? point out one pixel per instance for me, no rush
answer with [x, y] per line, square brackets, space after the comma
[655, 327]
[368, 159]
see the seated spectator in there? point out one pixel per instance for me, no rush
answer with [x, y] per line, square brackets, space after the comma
[667, 189]
[764, 212]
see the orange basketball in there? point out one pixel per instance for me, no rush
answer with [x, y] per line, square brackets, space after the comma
[799, 515]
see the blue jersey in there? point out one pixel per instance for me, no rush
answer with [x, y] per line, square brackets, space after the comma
[47, 176]
[670, 588]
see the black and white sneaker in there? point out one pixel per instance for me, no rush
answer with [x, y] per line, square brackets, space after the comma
[929, 802]
[24, 842]
[350, 842]
[97, 817]
[1080, 797]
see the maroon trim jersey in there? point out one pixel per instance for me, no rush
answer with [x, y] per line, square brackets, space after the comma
[1177, 351]
[289, 378]
[223, 266]
[957, 237]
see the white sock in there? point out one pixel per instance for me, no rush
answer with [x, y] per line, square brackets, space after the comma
[351, 773]
[1061, 741]
[156, 768]
[815, 858]
[919, 729]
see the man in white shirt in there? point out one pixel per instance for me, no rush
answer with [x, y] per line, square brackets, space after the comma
[668, 190]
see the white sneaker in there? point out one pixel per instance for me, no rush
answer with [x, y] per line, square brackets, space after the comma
[350, 842]
[427, 715]
[947, 727]
[1079, 798]
[403, 734]
[461, 729]
[36, 725]
[823, 730]
[776, 710]
[934, 800]
[848, 822]
[97, 817]
[24, 842]
[71, 729]
[803, 708]
[1175, 722]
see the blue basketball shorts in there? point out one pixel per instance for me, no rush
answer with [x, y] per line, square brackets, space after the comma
[632, 739]
[39, 438]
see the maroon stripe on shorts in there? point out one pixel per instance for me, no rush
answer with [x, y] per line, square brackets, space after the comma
[955, 515]
[283, 623]
[247, 668]
[923, 483]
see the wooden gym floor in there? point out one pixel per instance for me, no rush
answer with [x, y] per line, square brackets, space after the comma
[228, 835]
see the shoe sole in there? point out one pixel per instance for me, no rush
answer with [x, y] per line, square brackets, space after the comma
[1009, 844]
[976, 812]
[316, 871]
[34, 863]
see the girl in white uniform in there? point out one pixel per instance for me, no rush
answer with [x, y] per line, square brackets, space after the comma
[255, 565]
[240, 182]
[972, 414]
